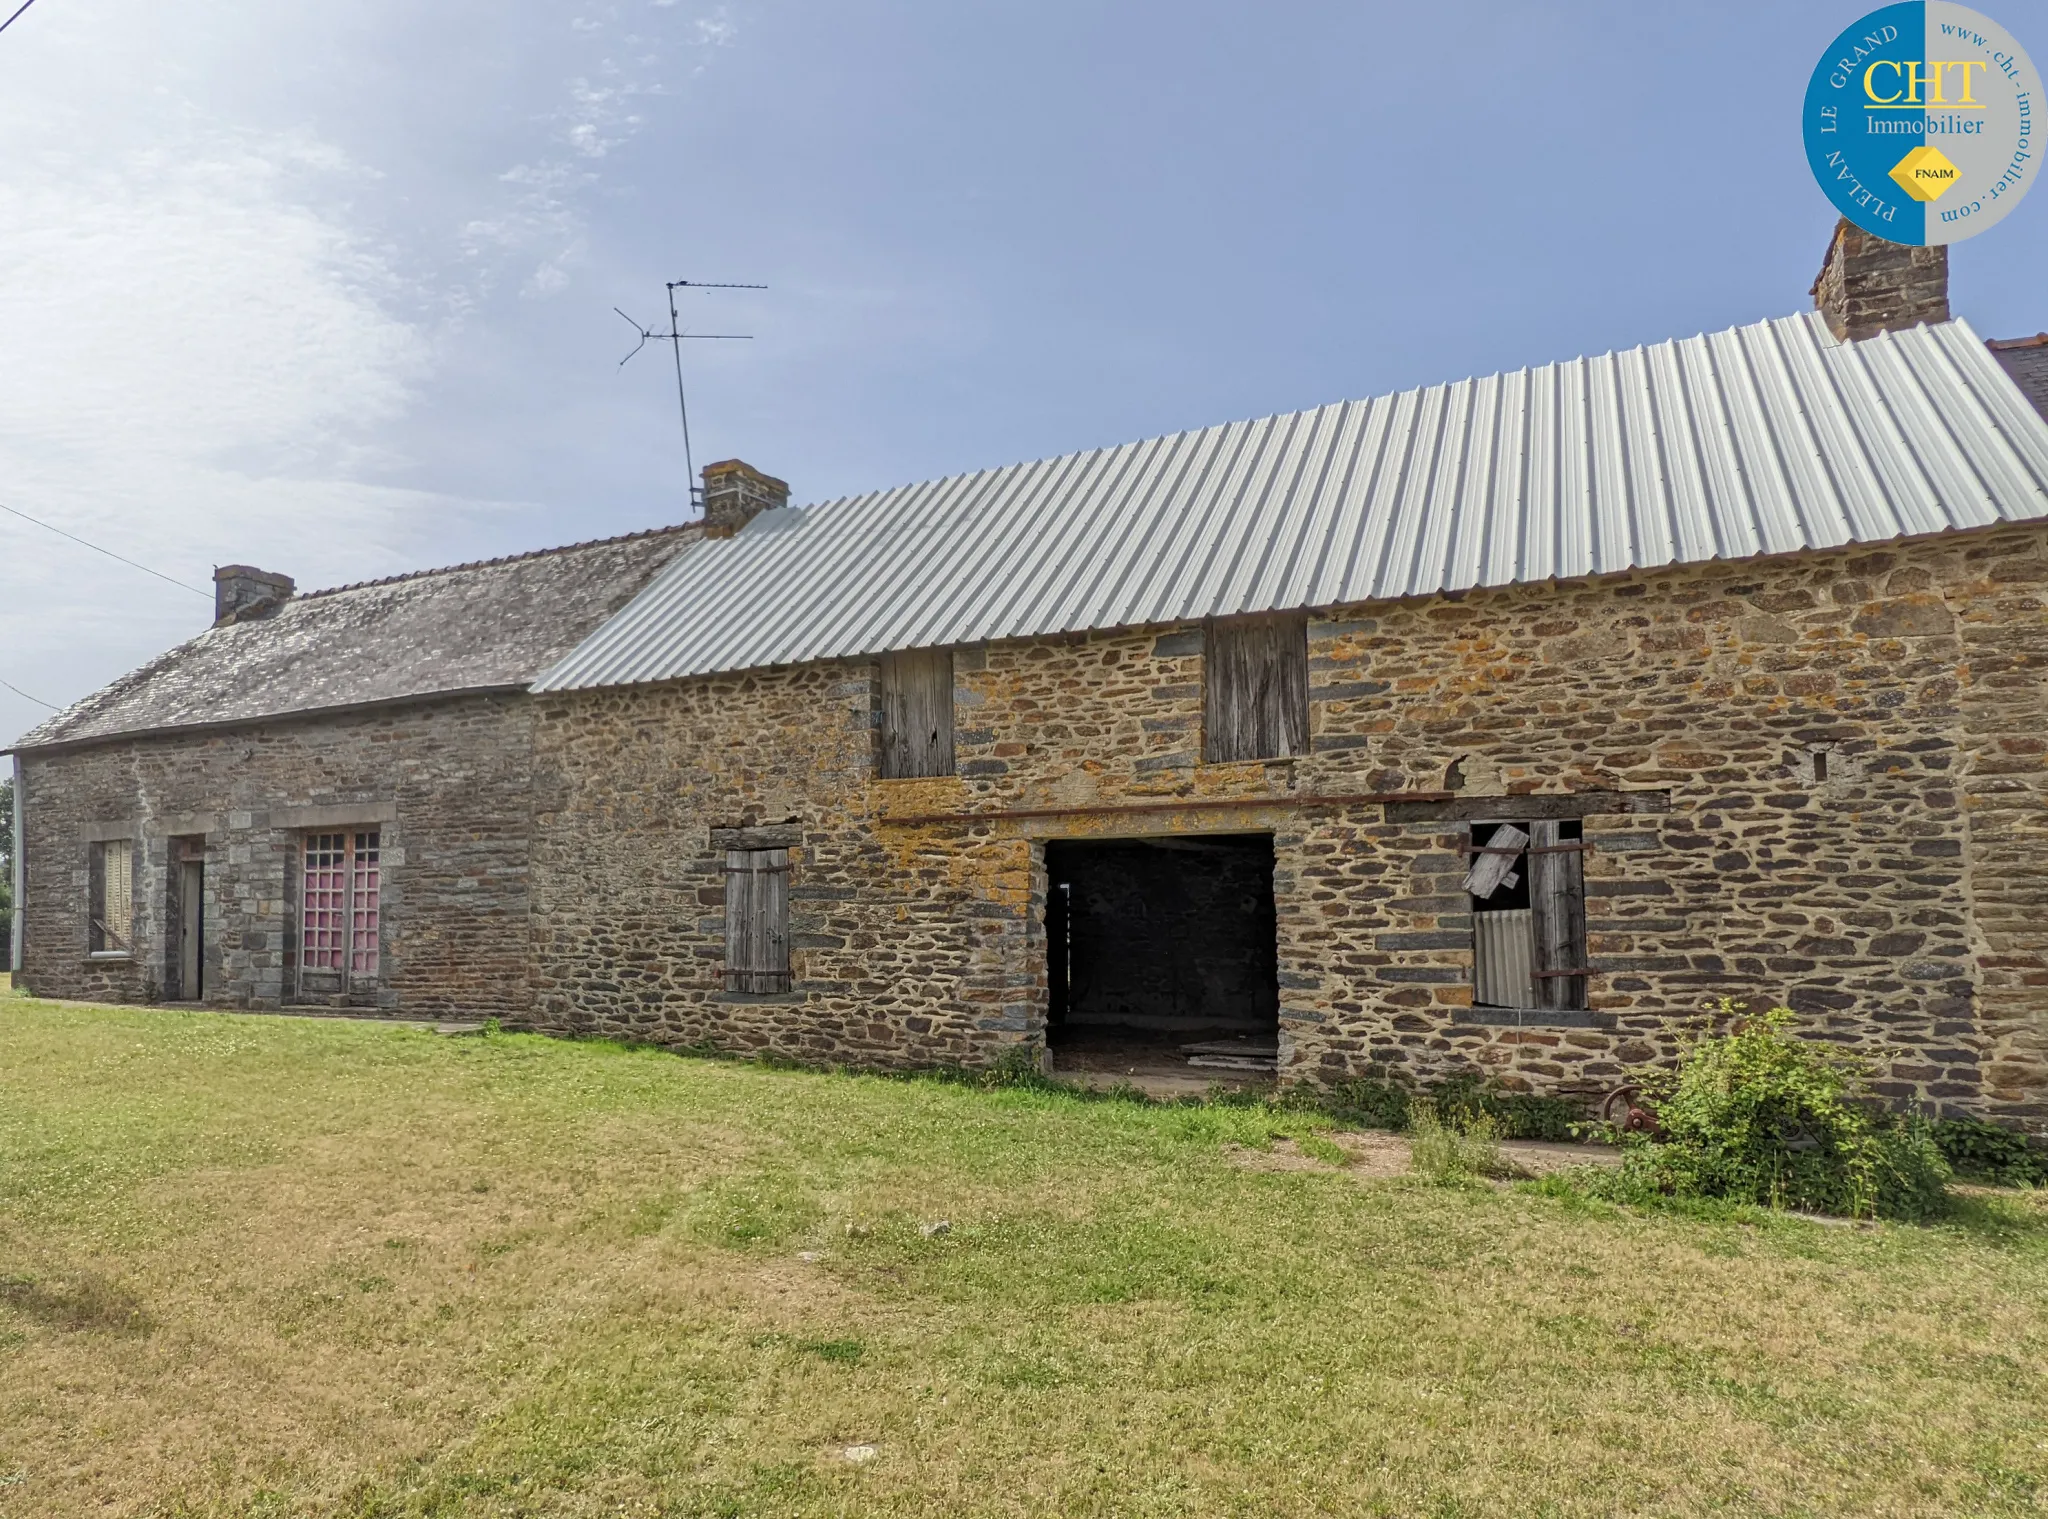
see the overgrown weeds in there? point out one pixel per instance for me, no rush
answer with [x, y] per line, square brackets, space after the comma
[1454, 1146]
[1379, 1103]
[1757, 1114]
[1985, 1152]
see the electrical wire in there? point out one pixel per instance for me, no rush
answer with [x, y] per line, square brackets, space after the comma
[10, 685]
[25, 4]
[25, 517]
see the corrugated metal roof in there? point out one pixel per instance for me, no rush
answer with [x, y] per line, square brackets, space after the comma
[1760, 440]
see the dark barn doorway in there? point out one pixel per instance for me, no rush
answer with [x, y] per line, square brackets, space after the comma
[1161, 956]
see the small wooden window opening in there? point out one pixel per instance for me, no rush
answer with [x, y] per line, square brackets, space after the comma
[110, 928]
[1528, 889]
[1255, 689]
[757, 921]
[917, 713]
[341, 907]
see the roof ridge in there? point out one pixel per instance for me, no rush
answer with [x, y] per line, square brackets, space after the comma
[484, 564]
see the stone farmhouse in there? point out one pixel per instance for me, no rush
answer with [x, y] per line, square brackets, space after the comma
[1490, 726]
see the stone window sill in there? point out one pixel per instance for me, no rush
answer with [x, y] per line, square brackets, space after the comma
[1533, 1017]
[95, 955]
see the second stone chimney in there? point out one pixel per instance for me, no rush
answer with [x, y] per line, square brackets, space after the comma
[1867, 285]
[735, 493]
[243, 593]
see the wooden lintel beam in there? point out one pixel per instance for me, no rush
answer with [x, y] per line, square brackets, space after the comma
[1165, 804]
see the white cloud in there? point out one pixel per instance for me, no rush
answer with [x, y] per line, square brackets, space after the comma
[216, 315]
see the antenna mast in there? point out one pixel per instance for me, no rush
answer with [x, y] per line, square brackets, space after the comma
[675, 337]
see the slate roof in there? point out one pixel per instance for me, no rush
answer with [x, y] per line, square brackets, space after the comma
[494, 624]
[2026, 360]
[1764, 439]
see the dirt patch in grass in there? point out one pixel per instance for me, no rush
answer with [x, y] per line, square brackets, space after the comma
[1370, 1155]
[75, 1301]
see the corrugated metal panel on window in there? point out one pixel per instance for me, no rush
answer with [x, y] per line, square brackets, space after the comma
[1504, 958]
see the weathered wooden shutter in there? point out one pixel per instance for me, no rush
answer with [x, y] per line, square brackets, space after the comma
[1557, 900]
[112, 893]
[757, 920]
[96, 900]
[917, 713]
[1255, 689]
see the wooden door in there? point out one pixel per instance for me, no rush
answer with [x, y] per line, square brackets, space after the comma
[192, 931]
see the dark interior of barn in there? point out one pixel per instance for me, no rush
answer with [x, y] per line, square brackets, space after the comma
[1161, 956]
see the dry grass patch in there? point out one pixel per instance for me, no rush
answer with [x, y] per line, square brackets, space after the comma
[272, 1267]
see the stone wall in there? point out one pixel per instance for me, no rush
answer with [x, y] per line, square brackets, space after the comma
[1820, 779]
[1816, 779]
[905, 950]
[446, 783]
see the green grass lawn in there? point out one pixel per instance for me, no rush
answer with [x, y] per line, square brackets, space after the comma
[267, 1266]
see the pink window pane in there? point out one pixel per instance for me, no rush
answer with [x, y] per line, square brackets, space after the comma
[363, 910]
[325, 898]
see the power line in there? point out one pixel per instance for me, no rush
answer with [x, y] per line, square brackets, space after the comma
[10, 685]
[25, 517]
[25, 4]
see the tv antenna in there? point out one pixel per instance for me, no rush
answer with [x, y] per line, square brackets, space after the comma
[675, 337]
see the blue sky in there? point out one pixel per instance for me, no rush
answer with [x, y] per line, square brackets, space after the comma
[329, 288]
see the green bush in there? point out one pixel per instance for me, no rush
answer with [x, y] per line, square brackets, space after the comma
[1760, 1115]
[1986, 1152]
[1365, 1101]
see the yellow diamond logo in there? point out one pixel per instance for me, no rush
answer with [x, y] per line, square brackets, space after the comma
[1925, 173]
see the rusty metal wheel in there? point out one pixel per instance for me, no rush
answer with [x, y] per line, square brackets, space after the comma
[1619, 1107]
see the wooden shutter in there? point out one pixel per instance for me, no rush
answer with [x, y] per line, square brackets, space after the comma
[917, 713]
[757, 920]
[1255, 689]
[1557, 899]
[112, 894]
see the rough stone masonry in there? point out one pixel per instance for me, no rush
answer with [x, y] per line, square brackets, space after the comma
[1687, 716]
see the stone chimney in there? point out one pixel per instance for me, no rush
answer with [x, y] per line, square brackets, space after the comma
[243, 593]
[1867, 285]
[735, 493]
